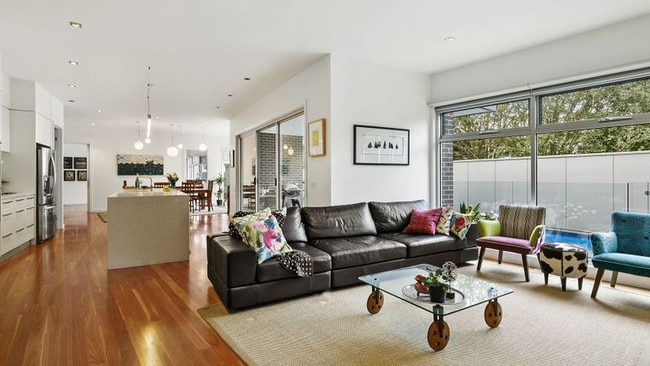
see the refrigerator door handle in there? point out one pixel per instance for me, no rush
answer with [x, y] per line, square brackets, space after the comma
[53, 168]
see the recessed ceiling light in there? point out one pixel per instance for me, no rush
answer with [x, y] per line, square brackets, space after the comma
[218, 106]
[230, 95]
[70, 100]
[92, 123]
[450, 38]
[247, 79]
[75, 24]
[72, 85]
[73, 62]
[99, 111]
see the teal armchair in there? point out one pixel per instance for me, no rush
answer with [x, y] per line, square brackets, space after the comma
[626, 248]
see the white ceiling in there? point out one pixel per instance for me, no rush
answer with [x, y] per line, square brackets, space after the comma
[200, 51]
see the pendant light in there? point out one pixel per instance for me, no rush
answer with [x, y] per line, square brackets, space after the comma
[180, 144]
[149, 85]
[202, 145]
[172, 150]
[138, 144]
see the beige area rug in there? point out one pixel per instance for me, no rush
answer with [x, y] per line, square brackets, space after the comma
[103, 216]
[542, 326]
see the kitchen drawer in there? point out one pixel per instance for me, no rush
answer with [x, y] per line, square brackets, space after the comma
[8, 223]
[6, 243]
[9, 205]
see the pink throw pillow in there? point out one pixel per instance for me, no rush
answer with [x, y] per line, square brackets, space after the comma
[423, 222]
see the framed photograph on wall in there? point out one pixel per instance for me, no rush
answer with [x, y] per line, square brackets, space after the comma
[68, 175]
[381, 145]
[82, 175]
[317, 139]
[67, 162]
[80, 163]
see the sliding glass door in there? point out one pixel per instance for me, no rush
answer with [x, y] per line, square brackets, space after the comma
[272, 169]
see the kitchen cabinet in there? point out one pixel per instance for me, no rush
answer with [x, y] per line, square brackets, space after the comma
[5, 129]
[44, 131]
[18, 221]
[5, 123]
[56, 112]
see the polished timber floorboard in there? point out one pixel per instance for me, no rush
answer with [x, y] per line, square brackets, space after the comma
[60, 306]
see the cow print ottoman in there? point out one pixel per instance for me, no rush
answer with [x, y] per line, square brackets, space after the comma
[564, 260]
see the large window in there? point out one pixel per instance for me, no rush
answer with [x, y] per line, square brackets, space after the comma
[581, 150]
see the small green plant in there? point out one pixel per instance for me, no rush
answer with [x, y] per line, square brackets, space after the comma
[473, 211]
[219, 181]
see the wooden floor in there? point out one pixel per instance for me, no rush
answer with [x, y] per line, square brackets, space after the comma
[60, 306]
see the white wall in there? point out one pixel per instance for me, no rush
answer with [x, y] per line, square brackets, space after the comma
[310, 90]
[106, 142]
[348, 92]
[75, 192]
[617, 47]
[368, 94]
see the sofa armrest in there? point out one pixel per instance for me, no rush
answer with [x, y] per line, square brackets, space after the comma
[234, 262]
[604, 242]
[489, 228]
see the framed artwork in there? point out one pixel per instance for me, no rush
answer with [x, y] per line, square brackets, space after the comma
[82, 175]
[68, 175]
[381, 145]
[128, 164]
[80, 163]
[317, 140]
[67, 162]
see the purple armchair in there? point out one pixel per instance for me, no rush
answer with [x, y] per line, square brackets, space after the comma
[517, 230]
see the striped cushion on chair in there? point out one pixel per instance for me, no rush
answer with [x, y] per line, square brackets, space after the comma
[518, 221]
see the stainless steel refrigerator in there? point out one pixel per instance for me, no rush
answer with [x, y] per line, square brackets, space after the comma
[46, 180]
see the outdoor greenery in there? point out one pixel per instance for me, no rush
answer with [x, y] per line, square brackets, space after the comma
[626, 99]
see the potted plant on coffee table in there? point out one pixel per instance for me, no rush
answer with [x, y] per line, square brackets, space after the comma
[434, 284]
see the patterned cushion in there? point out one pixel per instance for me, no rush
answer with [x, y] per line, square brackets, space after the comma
[423, 222]
[518, 221]
[444, 223]
[460, 224]
[232, 230]
[262, 231]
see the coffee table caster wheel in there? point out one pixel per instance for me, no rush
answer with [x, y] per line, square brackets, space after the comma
[493, 314]
[375, 302]
[437, 340]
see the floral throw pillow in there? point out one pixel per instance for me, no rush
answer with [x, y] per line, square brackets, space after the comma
[444, 223]
[460, 224]
[423, 222]
[262, 231]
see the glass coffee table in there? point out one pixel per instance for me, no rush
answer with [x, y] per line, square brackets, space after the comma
[468, 292]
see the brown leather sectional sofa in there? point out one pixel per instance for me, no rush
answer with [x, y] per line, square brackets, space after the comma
[345, 242]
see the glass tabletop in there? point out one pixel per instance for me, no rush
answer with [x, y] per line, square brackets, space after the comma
[469, 291]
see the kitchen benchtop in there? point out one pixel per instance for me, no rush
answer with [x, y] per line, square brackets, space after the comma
[142, 192]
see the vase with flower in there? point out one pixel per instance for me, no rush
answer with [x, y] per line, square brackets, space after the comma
[172, 178]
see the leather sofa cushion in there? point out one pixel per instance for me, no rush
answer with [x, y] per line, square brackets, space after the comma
[292, 228]
[423, 244]
[359, 250]
[338, 221]
[272, 270]
[394, 216]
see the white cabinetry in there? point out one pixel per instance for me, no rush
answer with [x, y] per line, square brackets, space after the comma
[44, 130]
[5, 102]
[17, 218]
[56, 112]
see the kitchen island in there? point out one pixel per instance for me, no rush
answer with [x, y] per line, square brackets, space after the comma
[147, 227]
